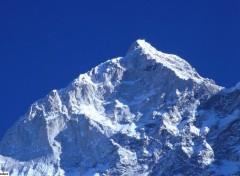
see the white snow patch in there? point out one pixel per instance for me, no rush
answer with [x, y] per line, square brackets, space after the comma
[93, 114]
[194, 130]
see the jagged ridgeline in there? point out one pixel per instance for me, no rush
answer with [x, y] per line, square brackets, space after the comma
[147, 113]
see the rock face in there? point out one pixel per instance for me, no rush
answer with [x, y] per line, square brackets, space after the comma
[148, 113]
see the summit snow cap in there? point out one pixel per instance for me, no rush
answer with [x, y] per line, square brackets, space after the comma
[139, 44]
[142, 52]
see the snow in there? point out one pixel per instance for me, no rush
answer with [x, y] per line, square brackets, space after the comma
[169, 125]
[194, 130]
[120, 119]
[188, 150]
[93, 114]
[180, 67]
[128, 129]
[119, 104]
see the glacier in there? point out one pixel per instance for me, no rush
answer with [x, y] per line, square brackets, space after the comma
[147, 113]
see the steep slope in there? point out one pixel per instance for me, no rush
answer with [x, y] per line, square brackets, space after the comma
[148, 113]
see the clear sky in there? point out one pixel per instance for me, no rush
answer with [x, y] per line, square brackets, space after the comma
[46, 44]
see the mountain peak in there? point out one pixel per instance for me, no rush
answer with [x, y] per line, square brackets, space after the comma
[141, 53]
[127, 116]
[139, 44]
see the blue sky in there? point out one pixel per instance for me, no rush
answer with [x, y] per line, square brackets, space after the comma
[46, 44]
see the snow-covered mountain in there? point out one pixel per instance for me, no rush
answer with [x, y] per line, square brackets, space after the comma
[148, 113]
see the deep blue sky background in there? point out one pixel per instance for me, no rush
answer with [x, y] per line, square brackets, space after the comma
[46, 44]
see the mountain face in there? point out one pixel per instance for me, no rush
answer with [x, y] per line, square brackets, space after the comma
[148, 113]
